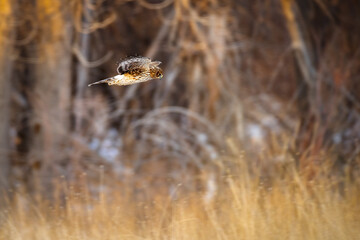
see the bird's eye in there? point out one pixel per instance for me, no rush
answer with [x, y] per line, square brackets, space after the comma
[158, 74]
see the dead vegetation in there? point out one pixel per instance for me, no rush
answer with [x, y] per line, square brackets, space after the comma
[246, 207]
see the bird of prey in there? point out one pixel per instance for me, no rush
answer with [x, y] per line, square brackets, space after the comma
[134, 70]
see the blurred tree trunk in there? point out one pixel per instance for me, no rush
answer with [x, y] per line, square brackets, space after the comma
[52, 91]
[84, 51]
[6, 37]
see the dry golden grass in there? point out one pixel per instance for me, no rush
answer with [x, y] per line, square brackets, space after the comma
[246, 207]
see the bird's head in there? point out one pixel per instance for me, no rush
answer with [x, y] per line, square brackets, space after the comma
[156, 72]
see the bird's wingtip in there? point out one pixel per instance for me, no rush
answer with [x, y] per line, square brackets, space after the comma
[101, 81]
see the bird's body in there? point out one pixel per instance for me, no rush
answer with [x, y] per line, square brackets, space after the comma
[134, 70]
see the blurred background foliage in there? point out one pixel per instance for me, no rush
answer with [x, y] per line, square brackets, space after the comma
[273, 83]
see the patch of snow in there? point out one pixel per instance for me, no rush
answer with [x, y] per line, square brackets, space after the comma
[109, 147]
[337, 138]
[271, 123]
[202, 137]
[211, 189]
[94, 144]
[255, 132]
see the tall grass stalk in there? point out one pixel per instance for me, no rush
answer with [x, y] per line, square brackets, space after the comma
[245, 207]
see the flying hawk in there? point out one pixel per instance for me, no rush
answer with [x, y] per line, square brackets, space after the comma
[134, 70]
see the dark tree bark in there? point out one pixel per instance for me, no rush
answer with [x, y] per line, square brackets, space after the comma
[6, 35]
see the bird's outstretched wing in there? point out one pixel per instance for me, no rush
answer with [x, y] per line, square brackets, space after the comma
[133, 63]
[154, 64]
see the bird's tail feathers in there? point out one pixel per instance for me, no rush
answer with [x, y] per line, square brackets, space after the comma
[101, 81]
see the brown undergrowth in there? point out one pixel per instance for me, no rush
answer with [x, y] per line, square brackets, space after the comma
[247, 205]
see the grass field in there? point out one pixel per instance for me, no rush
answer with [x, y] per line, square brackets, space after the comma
[246, 207]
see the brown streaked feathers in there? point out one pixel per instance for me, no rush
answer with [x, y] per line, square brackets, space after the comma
[134, 70]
